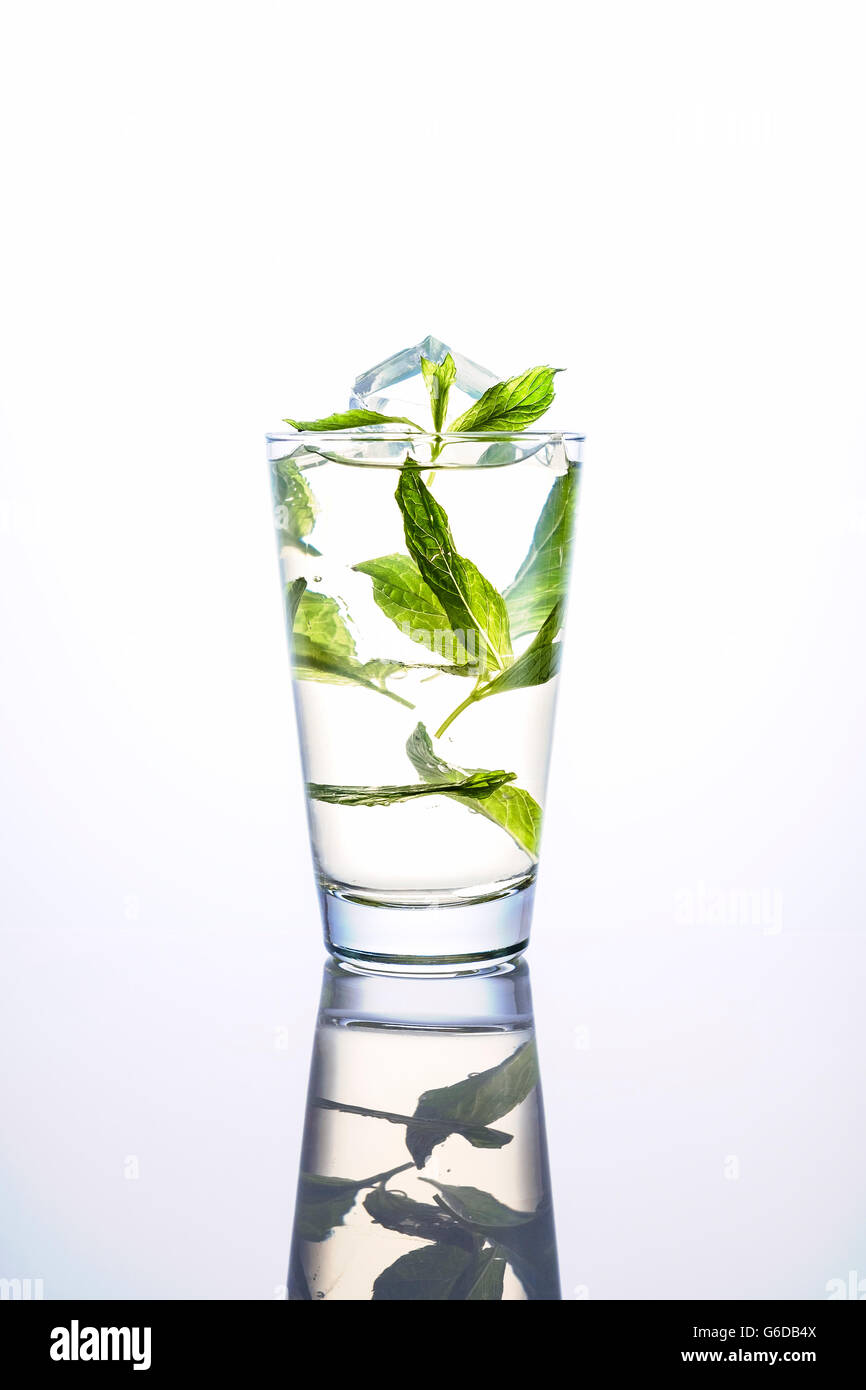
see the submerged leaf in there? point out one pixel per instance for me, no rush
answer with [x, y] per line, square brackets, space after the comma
[542, 580]
[476, 610]
[474, 786]
[296, 506]
[323, 648]
[538, 664]
[510, 807]
[411, 604]
[294, 594]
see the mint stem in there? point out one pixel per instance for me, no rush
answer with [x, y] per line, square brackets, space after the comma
[470, 700]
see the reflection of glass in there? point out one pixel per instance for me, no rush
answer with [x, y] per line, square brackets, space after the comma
[424, 1171]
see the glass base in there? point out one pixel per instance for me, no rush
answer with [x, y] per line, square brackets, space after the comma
[443, 937]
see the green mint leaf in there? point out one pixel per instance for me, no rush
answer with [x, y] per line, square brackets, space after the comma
[510, 807]
[350, 420]
[421, 1220]
[322, 1204]
[511, 404]
[475, 609]
[479, 1100]
[440, 377]
[411, 604]
[480, 1208]
[475, 786]
[542, 579]
[538, 664]
[319, 619]
[296, 507]
[429, 1274]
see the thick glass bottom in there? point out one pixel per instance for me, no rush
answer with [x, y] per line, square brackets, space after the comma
[446, 934]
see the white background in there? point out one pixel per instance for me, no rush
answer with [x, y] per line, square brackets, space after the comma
[215, 214]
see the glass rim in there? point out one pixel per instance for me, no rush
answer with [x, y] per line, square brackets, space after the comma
[361, 436]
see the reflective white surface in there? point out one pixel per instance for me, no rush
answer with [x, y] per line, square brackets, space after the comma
[686, 237]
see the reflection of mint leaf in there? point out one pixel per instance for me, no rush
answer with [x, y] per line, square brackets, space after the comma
[351, 420]
[442, 1272]
[429, 1274]
[323, 1201]
[488, 1276]
[474, 786]
[439, 377]
[542, 580]
[471, 1204]
[478, 1135]
[421, 1220]
[475, 609]
[527, 1240]
[508, 806]
[511, 404]
[479, 1100]
[322, 1204]
[296, 506]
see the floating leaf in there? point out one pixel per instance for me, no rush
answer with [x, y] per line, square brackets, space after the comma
[511, 404]
[350, 420]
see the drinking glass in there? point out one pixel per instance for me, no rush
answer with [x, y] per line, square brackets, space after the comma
[425, 710]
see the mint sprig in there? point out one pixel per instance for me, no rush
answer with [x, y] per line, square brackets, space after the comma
[511, 404]
[350, 420]
[440, 377]
[508, 405]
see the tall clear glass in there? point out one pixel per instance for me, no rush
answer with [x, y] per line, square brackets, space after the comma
[424, 1171]
[425, 580]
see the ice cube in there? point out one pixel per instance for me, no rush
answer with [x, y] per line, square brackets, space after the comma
[397, 387]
